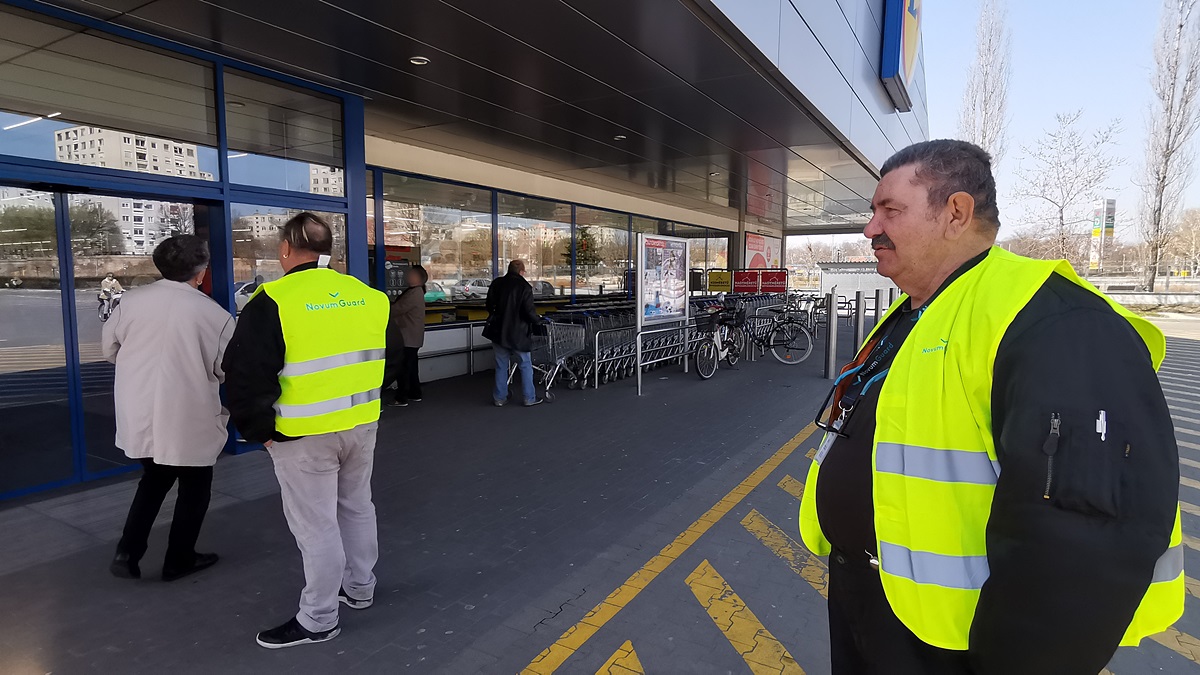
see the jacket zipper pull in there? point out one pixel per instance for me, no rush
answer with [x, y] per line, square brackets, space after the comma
[1050, 447]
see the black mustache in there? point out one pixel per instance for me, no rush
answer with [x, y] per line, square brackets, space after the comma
[882, 241]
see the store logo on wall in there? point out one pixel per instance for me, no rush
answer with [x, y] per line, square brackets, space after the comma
[901, 50]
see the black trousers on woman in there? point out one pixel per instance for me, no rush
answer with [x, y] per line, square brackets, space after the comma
[191, 505]
[408, 382]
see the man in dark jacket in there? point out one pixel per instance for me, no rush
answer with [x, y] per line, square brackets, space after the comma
[1079, 498]
[511, 318]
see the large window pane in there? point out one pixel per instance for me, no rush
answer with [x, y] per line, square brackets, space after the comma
[35, 424]
[83, 97]
[283, 137]
[718, 253]
[539, 233]
[448, 228]
[256, 245]
[601, 251]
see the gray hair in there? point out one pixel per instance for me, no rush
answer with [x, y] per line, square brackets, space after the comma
[308, 232]
[182, 257]
[947, 166]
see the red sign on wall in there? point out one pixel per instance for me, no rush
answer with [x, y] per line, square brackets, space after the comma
[773, 281]
[745, 281]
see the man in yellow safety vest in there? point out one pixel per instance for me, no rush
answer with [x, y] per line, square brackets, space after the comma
[303, 375]
[999, 477]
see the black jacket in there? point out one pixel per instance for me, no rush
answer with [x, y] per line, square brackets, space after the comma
[511, 313]
[1066, 573]
[254, 358]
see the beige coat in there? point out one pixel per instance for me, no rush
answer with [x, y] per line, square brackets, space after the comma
[168, 340]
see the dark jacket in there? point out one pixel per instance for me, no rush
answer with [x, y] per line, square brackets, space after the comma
[511, 314]
[254, 358]
[1066, 573]
[408, 313]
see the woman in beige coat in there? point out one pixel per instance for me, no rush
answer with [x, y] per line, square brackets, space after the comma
[167, 341]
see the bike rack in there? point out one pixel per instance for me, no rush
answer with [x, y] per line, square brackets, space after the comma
[685, 328]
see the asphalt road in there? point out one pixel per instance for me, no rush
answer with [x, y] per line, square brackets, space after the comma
[31, 318]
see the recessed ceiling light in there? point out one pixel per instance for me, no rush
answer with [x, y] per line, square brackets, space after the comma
[419, 60]
[235, 104]
[619, 137]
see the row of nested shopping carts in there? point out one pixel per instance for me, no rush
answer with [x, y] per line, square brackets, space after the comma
[597, 343]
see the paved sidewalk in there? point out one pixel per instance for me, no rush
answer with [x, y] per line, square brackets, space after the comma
[600, 533]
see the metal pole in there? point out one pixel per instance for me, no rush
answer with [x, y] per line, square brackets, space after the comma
[831, 321]
[860, 319]
[892, 296]
[639, 360]
[879, 308]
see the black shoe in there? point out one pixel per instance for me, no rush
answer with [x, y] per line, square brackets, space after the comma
[499, 404]
[530, 404]
[202, 561]
[124, 568]
[352, 603]
[398, 404]
[292, 634]
[416, 399]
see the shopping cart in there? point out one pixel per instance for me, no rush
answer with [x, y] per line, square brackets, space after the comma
[553, 345]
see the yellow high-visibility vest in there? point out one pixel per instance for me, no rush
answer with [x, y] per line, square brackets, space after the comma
[934, 462]
[334, 334]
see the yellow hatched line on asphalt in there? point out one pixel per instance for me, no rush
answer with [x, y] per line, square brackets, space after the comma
[792, 486]
[1181, 643]
[805, 564]
[556, 654]
[761, 650]
[624, 661]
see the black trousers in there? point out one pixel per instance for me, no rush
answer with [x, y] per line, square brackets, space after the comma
[195, 488]
[408, 380]
[866, 638]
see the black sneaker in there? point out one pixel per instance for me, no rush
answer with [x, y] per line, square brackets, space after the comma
[124, 568]
[292, 634]
[499, 404]
[202, 561]
[352, 603]
[398, 404]
[416, 399]
[530, 404]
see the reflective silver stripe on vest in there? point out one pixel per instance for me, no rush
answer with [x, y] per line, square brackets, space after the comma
[967, 572]
[947, 466]
[325, 407]
[331, 362]
[1169, 565]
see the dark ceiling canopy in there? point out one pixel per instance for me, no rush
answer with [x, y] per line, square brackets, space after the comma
[647, 97]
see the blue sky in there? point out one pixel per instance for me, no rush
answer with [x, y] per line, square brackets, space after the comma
[1067, 54]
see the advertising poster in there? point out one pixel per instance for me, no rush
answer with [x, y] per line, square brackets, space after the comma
[745, 281]
[663, 279]
[773, 281]
[762, 252]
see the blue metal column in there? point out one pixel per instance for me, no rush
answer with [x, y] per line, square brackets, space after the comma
[355, 138]
[66, 280]
[220, 216]
[629, 264]
[495, 233]
[380, 244]
[574, 243]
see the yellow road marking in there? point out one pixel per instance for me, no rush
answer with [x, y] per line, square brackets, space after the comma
[556, 654]
[808, 566]
[1181, 643]
[1189, 482]
[1191, 542]
[811, 454]
[1189, 508]
[1189, 462]
[761, 650]
[792, 486]
[624, 661]
[1193, 587]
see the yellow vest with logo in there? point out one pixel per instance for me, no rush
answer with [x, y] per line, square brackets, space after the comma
[334, 334]
[934, 460]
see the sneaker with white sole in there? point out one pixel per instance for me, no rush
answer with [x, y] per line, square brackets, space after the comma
[292, 634]
[350, 602]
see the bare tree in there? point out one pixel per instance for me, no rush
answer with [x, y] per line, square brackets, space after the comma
[1185, 246]
[1172, 124]
[983, 119]
[1059, 176]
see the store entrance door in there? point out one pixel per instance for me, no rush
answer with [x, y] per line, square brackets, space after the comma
[66, 260]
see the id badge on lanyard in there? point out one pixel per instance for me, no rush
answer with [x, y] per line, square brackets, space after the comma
[828, 440]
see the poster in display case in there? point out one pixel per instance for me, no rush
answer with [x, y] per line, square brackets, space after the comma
[662, 279]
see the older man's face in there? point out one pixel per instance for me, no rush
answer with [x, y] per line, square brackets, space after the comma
[904, 231]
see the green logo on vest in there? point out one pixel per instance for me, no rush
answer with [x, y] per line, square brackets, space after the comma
[339, 304]
[939, 348]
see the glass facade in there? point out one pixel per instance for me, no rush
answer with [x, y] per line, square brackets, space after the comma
[130, 135]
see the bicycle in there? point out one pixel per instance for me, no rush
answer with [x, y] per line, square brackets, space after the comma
[786, 337]
[723, 341]
[108, 302]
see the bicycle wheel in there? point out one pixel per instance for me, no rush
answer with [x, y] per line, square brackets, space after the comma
[736, 342]
[706, 359]
[791, 342]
